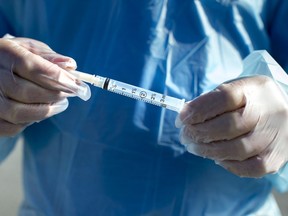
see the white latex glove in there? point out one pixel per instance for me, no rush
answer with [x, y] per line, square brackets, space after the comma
[33, 83]
[242, 125]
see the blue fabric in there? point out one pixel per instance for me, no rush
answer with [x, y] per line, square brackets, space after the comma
[4, 26]
[7, 144]
[116, 156]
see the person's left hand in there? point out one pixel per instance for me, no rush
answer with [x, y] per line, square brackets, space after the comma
[242, 125]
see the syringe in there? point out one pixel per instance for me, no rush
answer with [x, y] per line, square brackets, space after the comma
[131, 91]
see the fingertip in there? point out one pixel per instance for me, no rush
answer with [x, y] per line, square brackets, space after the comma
[184, 140]
[178, 122]
[84, 91]
[189, 114]
[58, 107]
[66, 63]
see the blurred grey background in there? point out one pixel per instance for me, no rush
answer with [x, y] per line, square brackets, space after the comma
[11, 185]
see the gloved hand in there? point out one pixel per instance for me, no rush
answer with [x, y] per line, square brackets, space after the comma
[242, 125]
[33, 83]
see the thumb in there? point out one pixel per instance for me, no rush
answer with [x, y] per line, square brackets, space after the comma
[226, 97]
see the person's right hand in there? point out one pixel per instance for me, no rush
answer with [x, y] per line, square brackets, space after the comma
[242, 125]
[34, 83]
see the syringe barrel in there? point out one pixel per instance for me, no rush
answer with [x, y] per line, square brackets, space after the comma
[131, 91]
[145, 95]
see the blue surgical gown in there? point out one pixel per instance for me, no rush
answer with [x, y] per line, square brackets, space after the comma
[115, 156]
